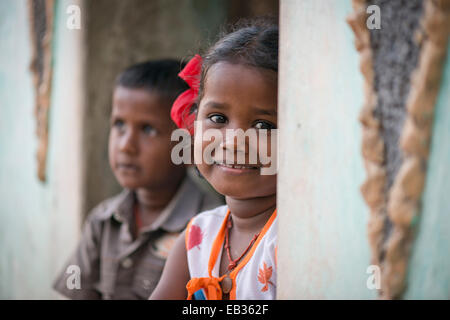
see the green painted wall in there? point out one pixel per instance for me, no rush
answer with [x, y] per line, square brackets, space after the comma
[323, 249]
[429, 268]
[39, 222]
[323, 246]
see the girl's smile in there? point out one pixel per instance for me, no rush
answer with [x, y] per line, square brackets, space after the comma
[237, 168]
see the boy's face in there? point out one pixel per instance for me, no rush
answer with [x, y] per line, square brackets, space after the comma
[139, 140]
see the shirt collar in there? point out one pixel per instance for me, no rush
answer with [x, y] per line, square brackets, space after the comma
[181, 208]
[173, 218]
[122, 206]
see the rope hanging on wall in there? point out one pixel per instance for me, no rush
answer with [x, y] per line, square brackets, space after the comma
[372, 143]
[41, 30]
[398, 205]
[404, 198]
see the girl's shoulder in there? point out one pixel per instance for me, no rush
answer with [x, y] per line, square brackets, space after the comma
[204, 227]
[199, 237]
[212, 215]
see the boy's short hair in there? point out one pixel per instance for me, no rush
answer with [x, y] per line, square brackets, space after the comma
[157, 75]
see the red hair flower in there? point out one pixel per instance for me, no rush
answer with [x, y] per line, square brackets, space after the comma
[182, 105]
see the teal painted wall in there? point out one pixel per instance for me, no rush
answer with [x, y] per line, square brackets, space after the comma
[429, 267]
[323, 247]
[39, 222]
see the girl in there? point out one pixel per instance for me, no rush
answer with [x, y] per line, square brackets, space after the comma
[229, 252]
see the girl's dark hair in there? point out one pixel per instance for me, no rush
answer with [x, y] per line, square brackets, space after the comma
[250, 42]
[158, 75]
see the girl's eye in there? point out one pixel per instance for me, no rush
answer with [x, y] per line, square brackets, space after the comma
[264, 125]
[148, 130]
[217, 118]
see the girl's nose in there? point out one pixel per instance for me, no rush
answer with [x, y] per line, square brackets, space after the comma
[234, 146]
[231, 142]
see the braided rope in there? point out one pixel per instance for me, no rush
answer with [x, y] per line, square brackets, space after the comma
[403, 204]
[372, 142]
[404, 198]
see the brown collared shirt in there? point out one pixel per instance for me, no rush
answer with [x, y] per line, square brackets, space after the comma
[114, 265]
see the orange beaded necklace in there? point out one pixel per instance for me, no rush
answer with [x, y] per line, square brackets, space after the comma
[233, 263]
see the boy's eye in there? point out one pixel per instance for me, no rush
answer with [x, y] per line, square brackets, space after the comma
[119, 124]
[217, 118]
[148, 129]
[264, 125]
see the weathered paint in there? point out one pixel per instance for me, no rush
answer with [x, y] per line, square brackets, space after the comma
[323, 245]
[39, 223]
[429, 266]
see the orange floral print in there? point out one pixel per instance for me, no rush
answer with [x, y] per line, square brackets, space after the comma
[264, 277]
[195, 237]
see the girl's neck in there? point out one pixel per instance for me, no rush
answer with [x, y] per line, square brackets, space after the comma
[251, 215]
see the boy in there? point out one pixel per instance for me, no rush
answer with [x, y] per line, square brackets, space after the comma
[126, 238]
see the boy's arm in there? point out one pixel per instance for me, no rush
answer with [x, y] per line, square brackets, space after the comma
[80, 277]
[175, 276]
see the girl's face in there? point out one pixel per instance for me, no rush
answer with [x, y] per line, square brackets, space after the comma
[237, 97]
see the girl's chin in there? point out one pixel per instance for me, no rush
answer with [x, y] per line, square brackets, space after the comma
[238, 191]
[241, 185]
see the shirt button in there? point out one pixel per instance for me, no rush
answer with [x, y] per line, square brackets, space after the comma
[117, 217]
[127, 263]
